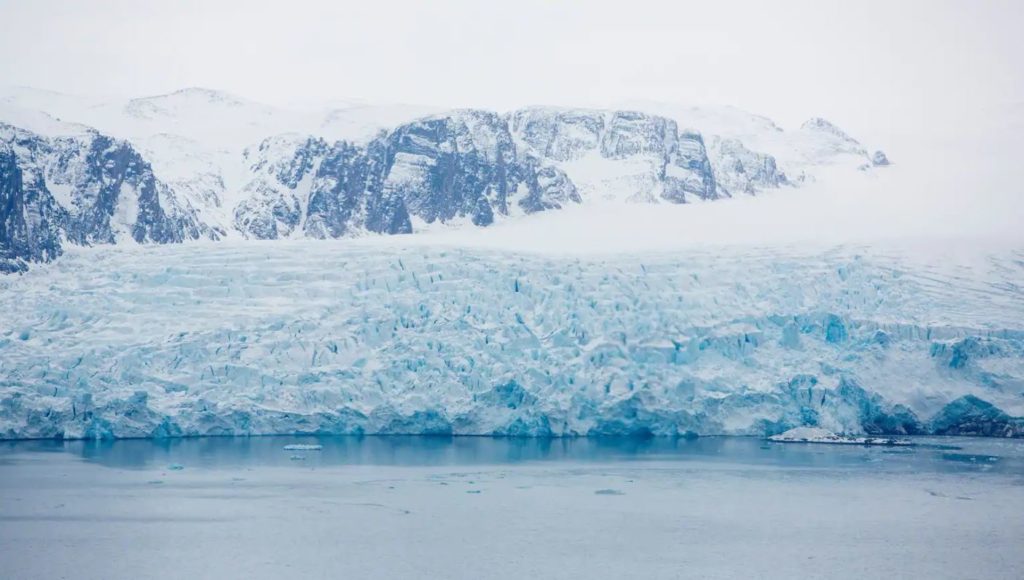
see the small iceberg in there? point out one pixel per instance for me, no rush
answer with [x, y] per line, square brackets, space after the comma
[818, 435]
[301, 447]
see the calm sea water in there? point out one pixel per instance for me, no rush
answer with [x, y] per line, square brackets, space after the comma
[478, 507]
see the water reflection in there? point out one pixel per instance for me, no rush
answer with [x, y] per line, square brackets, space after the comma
[931, 454]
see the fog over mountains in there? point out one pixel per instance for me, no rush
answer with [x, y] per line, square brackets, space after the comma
[202, 164]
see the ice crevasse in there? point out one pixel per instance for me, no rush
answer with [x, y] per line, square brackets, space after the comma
[324, 337]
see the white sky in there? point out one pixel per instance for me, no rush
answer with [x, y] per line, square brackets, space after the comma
[870, 66]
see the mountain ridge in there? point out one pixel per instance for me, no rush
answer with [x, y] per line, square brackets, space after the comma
[224, 166]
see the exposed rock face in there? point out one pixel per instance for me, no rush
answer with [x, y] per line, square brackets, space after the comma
[458, 165]
[272, 205]
[691, 172]
[547, 187]
[347, 195]
[29, 229]
[467, 164]
[879, 159]
[625, 154]
[633, 133]
[304, 186]
[439, 169]
[741, 170]
[112, 188]
[464, 166]
[266, 214]
[86, 189]
[559, 135]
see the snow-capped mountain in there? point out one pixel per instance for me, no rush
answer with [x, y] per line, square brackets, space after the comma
[87, 189]
[199, 163]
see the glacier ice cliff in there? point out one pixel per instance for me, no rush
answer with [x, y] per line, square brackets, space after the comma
[331, 337]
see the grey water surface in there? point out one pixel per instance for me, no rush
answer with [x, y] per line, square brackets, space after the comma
[479, 507]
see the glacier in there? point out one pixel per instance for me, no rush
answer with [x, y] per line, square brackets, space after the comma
[403, 337]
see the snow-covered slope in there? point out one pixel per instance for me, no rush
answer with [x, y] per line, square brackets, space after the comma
[346, 337]
[86, 189]
[246, 169]
[803, 152]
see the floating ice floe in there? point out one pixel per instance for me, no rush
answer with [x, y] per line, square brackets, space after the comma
[818, 435]
[301, 447]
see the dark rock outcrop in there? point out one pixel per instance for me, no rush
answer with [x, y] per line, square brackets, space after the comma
[87, 189]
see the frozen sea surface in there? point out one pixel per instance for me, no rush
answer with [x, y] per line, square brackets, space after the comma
[442, 507]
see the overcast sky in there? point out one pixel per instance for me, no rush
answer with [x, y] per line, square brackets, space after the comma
[864, 64]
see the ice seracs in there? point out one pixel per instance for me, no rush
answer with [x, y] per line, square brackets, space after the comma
[401, 336]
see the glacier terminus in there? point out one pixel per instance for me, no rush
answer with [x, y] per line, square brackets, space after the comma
[307, 336]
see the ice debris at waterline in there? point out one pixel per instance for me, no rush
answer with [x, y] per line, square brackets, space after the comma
[338, 338]
[300, 447]
[818, 435]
